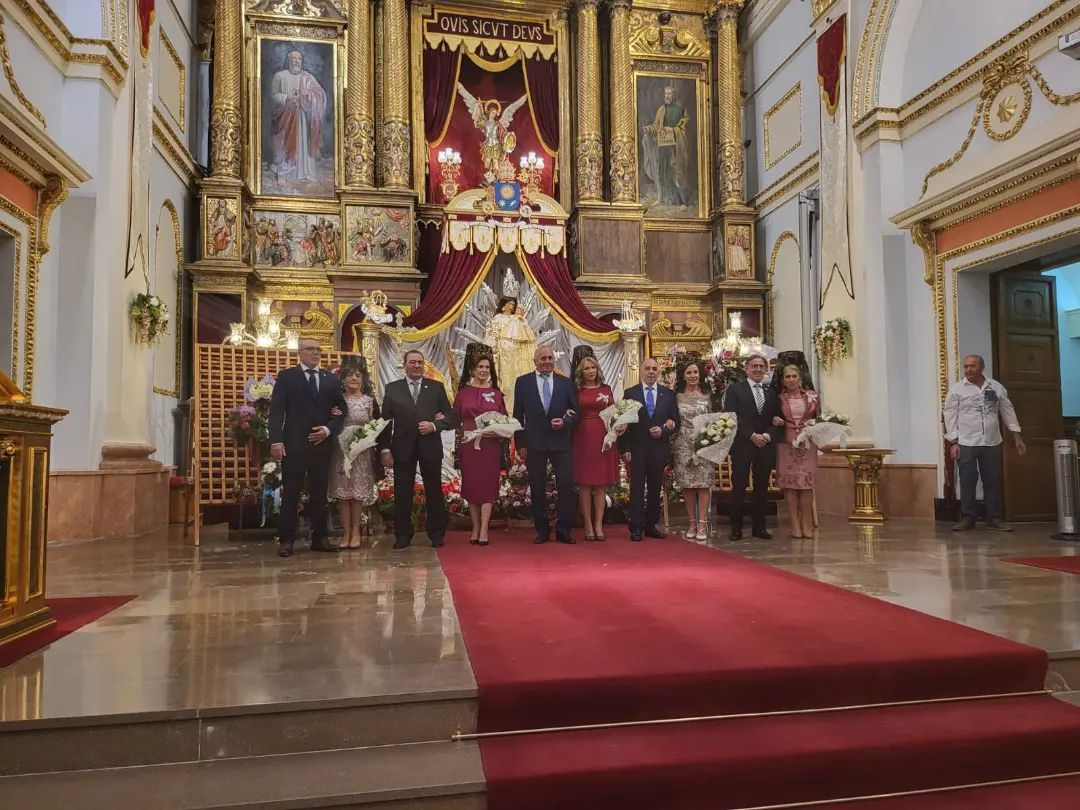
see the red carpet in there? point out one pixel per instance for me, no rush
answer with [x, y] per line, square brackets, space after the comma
[1070, 565]
[618, 631]
[70, 613]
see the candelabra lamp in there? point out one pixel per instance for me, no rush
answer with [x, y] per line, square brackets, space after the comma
[531, 173]
[266, 333]
[450, 168]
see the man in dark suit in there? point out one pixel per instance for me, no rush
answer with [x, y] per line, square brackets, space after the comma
[755, 405]
[646, 448]
[418, 411]
[300, 424]
[546, 406]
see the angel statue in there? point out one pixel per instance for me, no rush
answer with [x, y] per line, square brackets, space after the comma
[491, 119]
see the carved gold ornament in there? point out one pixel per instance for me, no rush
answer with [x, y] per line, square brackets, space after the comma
[394, 153]
[9, 73]
[1005, 114]
[590, 167]
[666, 34]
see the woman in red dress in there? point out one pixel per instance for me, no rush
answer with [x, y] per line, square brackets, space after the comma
[480, 469]
[594, 469]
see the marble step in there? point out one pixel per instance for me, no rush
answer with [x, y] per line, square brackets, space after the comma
[154, 738]
[417, 776]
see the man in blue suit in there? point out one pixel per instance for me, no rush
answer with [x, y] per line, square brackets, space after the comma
[646, 448]
[546, 406]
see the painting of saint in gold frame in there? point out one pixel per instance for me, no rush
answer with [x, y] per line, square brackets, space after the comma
[297, 116]
[671, 180]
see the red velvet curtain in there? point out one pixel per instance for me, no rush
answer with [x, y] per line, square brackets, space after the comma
[440, 75]
[831, 50]
[542, 81]
[454, 276]
[552, 274]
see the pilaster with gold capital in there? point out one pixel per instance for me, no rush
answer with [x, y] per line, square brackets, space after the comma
[622, 156]
[589, 148]
[369, 348]
[395, 147]
[359, 120]
[225, 141]
[633, 347]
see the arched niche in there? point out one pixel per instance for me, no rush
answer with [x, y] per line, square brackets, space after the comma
[785, 303]
[167, 284]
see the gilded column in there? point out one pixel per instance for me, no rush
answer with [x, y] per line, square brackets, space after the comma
[225, 113]
[395, 144]
[623, 153]
[590, 148]
[359, 121]
[729, 91]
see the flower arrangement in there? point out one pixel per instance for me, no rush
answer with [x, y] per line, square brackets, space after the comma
[623, 413]
[827, 428]
[355, 439]
[248, 424]
[150, 318]
[714, 435]
[492, 424]
[259, 390]
[832, 340]
[451, 492]
[271, 490]
[834, 417]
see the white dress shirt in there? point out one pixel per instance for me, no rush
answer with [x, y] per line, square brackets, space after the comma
[971, 414]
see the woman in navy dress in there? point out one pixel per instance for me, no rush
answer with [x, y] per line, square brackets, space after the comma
[480, 469]
[594, 469]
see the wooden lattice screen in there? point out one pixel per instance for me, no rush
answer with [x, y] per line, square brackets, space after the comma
[221, 371]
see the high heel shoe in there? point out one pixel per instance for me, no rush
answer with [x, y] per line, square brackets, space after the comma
[703, 530]
[474, 541]
[482, 541]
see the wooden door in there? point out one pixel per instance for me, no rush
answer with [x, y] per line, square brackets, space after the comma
[1026, 363]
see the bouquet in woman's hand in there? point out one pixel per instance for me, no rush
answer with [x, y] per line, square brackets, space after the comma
[714, 435]
[492, 423]
[623, 413]
[355, 439]
[827, 428]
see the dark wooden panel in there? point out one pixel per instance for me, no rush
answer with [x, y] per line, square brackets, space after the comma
[677, 257]
[610, 247]
[1026, 363]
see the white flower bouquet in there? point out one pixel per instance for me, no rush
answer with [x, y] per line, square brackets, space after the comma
[492, 423]
[832, 340]
[715, 433]
[623, 413]
[149, 317]
[826, 429]
[355, 439]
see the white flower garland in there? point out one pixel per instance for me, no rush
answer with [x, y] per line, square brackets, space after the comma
[832, 340]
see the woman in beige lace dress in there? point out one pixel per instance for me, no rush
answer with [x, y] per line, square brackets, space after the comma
[355, 491]
[796, 466]
[694, 477]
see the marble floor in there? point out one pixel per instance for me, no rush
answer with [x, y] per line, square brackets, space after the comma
[230, 624]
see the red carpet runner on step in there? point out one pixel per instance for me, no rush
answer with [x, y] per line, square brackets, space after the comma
[619, 631]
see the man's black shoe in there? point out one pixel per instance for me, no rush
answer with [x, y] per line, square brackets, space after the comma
[285, 550]
[763, 535]
[652, 531]
[401, 543]
[735, 536]
[540, 539]
[635, 536]
[565, 538]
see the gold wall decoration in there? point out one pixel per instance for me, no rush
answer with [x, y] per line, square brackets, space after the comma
[178, 114]
[221, 228]
[29, 305]
[788, 142]
[623, 153]
[290, 238]
[55, 192]
[820, 6]
[738, 252]
[9, 73]
[177, 321]
[662, 33]
[489, 33]
[1003, 104]
[16, 331]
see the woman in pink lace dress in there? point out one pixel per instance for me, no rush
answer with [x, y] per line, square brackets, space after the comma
[797, 466]
[355, 490]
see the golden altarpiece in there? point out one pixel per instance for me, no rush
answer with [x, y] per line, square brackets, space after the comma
[340, 130]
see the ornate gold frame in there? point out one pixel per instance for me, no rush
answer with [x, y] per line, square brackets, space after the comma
[177, 321]
[770, 160]
[704, 133]
[260, 30]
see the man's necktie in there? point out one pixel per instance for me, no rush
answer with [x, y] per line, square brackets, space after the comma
[545, 394]
[414, 385]
[759, 397]
[313, 381]
[650, 401]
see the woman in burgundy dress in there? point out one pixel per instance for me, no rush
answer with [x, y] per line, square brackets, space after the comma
[594, 469]
[480, 469]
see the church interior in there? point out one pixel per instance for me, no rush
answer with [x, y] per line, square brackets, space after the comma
[872, 191]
